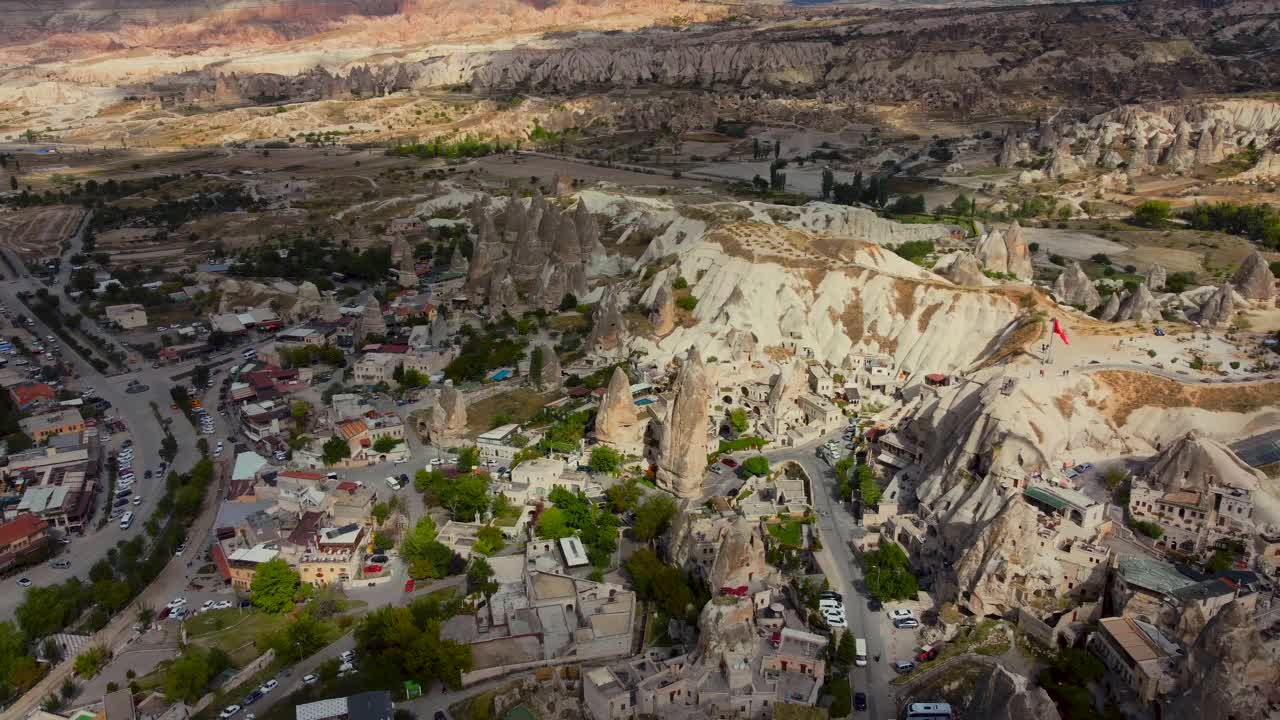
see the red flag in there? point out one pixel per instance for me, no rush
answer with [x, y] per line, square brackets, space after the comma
[1057, 330]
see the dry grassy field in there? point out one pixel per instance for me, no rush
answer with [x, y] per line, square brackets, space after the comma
[35, 232]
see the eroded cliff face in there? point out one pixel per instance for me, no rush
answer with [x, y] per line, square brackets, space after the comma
[1232, 671]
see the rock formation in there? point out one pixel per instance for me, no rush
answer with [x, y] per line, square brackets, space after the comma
[617, 424]
[486, 253]
[588, 232]
[999, 558]
[1141, 306]
[448, 416]
[502, 295]
[329, 311]
[682, 450]
[307, 290]
[1156, 277]
[965, 270]
[457, 261]
[1267, 170]
[371, 321]
[1193, 461]
[1074, 287]
[663, 315]
[1254, 279]
[1014, 150]
[550, 376]
[608, 329]
[1003, 695]
[439, 332]
[553, 284]
[1232, 671]
[1111, 309]
[1219, 308]
[1006, 252]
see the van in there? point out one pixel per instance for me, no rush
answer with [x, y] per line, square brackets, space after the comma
[393, 482]
[126, 520]
[249, 354]
[859, 652]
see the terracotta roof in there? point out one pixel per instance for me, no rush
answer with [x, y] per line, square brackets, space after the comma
[1183, 497]
[306, 528]
[302, 475]
[28, 392]
[25, 525]
[348, 486]
[351, 428]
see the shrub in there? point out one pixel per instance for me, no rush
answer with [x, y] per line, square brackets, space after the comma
[687, 303]
[1149, 529]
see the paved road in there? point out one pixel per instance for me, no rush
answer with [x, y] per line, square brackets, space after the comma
[1191, 377]
[836, 525]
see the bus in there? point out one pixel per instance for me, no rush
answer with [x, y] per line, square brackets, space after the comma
[126, 520]
[928, 711]
[860, 652]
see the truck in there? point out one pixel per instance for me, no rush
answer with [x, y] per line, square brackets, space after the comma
[393, 482]
[860, 652]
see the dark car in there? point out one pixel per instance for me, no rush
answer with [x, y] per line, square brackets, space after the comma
[832, 595]
[902, 667]
[874, 605]
[439, 716]
[859, 701]
[122, 502]
[404, 478]
[252, 698]
[729, 462]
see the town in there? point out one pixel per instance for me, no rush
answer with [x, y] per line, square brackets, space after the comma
[452, 387]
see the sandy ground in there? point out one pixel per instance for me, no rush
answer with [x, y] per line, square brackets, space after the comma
[36, 232]
[1072, 243]
[545, 169]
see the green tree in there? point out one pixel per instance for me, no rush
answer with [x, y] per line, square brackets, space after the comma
[335, 450]
[489, 541]
[757, 466]
[188, 677]
[380, 512]
[385, 444]
[535, 365]
[887, 573]
[300, 638]
[653, 517]
[50, 608]
[467, 498]
[480, 578]
[468, 459]
[659, 583]
[90, 662]
[623, 496]
[1151, 214]
[604, 460]
[867, 487]
[299, 411]
[273, 587]
[552, 524]
[738, 420]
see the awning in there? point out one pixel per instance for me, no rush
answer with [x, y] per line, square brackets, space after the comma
[890, 460]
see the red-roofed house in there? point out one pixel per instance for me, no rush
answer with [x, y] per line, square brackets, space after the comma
[303, 475]
[21, 540]
[27, 394]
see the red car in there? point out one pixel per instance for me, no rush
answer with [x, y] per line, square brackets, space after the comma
[372, 569]
[729, 462]
[408, 585]
[163, 614]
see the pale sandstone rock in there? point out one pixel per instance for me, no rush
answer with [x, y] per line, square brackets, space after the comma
[682, 452]
[371, 321]
[1074, 287]
[1156, 277]
[1254, 279]
[1141, 306]
[608, 330]
[663, 315]
[1232, 671]
[1219, 308]
[1111, 309]
[552, 375]
[307, 290]
[617, 424]
[449, 416]
[965, 270]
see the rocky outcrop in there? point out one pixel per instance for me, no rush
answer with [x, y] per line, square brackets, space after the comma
[486, 253]
[1254, 279]
[553, 284]
[1232, 671]
[588, 232]
[682, 450]
[502, 295]
[448, 417]
[965, 270]
[1156, 277]
[1006, 252]
[439, 332]
[663, 315]
[1000, 558]
[617, 424]
[1111, 309]
[1074, 287]
[1140, 306]
[1219, 308]
[1194, 461]
[1267, 170]
[1014, 150]
[329, 310]
[371, 321]
[550, 375]
[1002, 695]
[307, 290]
[608, 329]
[457, 261]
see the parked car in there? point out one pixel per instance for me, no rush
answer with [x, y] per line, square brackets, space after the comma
[900, 613]
[902, 667]
[61, 564]
[860, 701]
[24, 582]
[729, 462]
[268, 686]
[906, 624]
[408, 585]
[228, 712]
[310, 679]
[252, 698]
[372, 569]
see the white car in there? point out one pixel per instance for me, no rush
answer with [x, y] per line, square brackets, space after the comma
[177, 602]
[223, 605]
[347, 656]
[310, 679]
[268, 686]
[836, 621]
[437, 461]
[137, 500]
[230, 710]
[208, 605]
[901, 614]
[400, 461]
